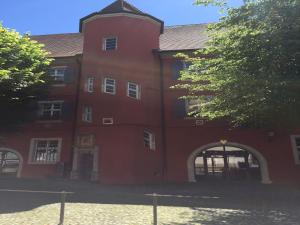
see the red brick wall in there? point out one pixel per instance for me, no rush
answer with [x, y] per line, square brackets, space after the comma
[122, 155]
[20, 140]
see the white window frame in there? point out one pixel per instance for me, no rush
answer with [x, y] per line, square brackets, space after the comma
[32, 151]
[105, 85]
[188, 106]
[87, 114]
[151, 140]
[104, 43]
[89, 84]
[107, 120]
[52, 110]
[56, 75]
[296, 149]
[137, 90]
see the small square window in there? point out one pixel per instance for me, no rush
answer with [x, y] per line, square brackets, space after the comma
[110, 43]
[108, 121]
[149, 140]
[133, 90]
[87, 114]
[109, 86]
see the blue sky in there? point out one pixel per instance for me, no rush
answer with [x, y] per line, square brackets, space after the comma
[62, 16]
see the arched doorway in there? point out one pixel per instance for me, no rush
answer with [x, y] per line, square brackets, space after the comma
[230, 161]
[10, 163]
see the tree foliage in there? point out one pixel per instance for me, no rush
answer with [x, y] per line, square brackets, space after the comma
[250, 65]
[23, 66]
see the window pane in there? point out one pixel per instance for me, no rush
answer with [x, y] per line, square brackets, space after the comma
[297, 141]
[132, 93]
[110, 82]
[53, 144]
[56, 105]
[132, 86]
[41, 144]
[51, 72]
[110, 43]
[46, 106]
[60, 71]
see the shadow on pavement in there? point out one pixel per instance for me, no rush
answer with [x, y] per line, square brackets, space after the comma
[267, 203]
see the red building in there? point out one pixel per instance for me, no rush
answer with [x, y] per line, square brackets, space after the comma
[111, 115]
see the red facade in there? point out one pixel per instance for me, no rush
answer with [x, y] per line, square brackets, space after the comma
[79, 144]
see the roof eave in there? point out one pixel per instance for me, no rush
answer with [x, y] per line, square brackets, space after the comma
[121, 11]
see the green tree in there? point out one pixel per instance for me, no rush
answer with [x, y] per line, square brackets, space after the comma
[250, 65]
[23, 64]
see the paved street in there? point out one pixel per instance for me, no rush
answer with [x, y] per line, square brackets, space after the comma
[179, 204]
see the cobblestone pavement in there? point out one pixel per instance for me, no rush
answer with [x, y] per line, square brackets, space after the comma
[110, 214]
[179, 204]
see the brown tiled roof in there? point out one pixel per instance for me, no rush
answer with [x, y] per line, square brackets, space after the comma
[61, 45]
[183, 37]
[120, 6]
[174, 38]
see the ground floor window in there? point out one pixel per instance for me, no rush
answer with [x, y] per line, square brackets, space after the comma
[226, 162]
[45, 150]
[296, 147]
[9, 163]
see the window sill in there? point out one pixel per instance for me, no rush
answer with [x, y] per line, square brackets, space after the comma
[49, 121]
[109, 93]
[138, 99]
[43, 163]
[58, 85]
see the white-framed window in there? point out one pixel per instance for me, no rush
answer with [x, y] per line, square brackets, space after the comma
[192, 105]
[108, 121]
[89, 84]
[295, 139]
[133, 90]
[109, 43]
[50, 110]
[109, 86]
[58, 73]
[149, 140]
[87, 114]
[45, 150]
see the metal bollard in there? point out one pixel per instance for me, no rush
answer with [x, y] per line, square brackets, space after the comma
[154, 209]
[62, 207]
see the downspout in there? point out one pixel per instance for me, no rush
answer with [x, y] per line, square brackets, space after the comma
[78, 60]
[163, 120]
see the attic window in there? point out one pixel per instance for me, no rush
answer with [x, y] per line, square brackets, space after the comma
[109, 43]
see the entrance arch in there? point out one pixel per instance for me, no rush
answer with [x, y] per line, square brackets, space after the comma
[265, 178]
[11, 161]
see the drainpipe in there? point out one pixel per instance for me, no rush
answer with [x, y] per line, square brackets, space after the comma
[163, 120]
[78, 60]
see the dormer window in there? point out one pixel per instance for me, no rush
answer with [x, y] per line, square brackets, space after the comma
[109, 43]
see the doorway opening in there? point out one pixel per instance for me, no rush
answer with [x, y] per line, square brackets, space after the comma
[86, 165]
[232, 161]
[226, 162]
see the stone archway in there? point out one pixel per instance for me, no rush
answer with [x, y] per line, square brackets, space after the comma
[265, 178]
[20, 158]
